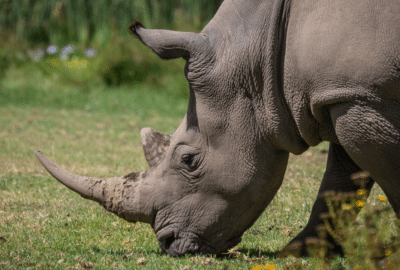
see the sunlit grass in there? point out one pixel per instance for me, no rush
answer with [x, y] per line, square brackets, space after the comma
[92, 129]
[85, 111]
[44, 224]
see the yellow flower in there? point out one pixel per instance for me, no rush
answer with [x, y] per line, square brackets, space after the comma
[55, 63]
[269, 267]
[361, 192]
[360, 203]
[77, 64]
[388, 252]
[382, 198]
[346, 206]
[264, 267]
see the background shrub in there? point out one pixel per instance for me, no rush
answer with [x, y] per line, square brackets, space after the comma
[36, 34]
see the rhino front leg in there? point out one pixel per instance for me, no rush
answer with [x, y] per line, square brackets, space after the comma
[337, 178]
[370, 134]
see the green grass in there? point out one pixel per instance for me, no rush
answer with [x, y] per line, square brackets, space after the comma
[46, 224]
[95, 131]
[86, 115]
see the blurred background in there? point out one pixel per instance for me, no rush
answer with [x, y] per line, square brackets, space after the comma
[57, 53]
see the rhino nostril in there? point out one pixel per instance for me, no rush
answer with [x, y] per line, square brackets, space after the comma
[168, 241]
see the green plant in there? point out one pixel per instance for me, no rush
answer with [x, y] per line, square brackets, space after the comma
[89, 22]
[366, 240]
[29, 28]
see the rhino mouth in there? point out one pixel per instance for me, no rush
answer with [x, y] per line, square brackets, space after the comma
[178, 244]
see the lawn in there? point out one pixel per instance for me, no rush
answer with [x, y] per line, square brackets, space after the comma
[76, 86]
[45, 225]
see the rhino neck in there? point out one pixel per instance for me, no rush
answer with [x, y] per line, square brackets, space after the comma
[255, 33]
[264, 25]
[279, 123]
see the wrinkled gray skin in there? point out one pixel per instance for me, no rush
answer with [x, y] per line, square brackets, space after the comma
[267, 78]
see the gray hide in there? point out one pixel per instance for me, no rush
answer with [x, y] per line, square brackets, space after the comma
[266, 78]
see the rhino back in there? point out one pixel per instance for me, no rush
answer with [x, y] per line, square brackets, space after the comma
[338, 51]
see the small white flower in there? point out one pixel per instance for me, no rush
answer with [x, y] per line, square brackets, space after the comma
[52, 49]
[36, 55]
[90, 52]
[68, 49]
[39, 53]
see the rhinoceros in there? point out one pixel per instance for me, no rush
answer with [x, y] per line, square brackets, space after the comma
[266, 78]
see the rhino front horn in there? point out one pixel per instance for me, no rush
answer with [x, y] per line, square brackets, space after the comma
[119, 195]
[87, 187]
[167, 44]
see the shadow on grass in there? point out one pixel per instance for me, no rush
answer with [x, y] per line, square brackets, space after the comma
[124, 252]
[251, 253]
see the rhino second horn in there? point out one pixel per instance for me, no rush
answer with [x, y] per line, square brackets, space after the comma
[154, 145]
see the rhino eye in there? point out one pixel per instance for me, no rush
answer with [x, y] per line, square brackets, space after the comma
[188, 160]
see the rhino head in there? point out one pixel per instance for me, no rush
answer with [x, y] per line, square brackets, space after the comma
[209, 181]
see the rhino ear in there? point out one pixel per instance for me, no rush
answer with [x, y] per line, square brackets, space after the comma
[167, 44]
[154, 145]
